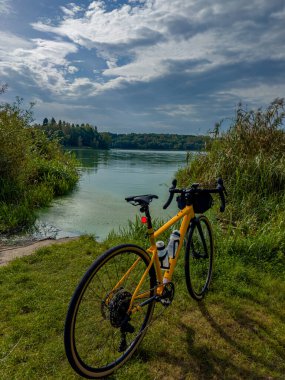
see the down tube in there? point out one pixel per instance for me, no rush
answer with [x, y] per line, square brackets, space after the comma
[176, 218]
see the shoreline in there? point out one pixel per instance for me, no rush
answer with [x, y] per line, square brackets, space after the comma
[9, 253]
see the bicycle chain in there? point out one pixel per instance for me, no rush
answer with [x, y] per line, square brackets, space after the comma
[120, 294]
[163, 309]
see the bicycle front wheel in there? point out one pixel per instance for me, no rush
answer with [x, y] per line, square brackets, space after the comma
[100, 335]
[199, 257]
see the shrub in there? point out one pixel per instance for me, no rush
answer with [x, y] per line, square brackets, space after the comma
[250, 156]
[33, 169]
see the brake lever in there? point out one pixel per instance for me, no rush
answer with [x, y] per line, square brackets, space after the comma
[174, 183]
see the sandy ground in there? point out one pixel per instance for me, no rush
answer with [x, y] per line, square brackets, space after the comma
[10, 253]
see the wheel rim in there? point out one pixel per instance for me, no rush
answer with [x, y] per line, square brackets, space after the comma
[200, 259]
[102, 309]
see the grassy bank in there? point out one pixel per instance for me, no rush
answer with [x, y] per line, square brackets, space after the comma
[33, 169]
[237, 332]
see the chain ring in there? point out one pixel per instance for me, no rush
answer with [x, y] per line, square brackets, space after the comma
[167, 294]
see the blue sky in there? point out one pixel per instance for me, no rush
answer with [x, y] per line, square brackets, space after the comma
[164, 66]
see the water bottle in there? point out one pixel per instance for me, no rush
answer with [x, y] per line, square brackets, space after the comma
[173, 244]
[162, 255]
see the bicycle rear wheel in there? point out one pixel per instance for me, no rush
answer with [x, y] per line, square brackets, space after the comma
[99, 335]
[199, 257]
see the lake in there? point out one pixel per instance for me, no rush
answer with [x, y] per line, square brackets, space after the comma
[97, 205]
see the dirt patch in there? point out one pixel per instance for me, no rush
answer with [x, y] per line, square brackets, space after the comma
[8, 254]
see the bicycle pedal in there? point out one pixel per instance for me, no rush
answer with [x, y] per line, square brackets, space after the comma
[163, 301]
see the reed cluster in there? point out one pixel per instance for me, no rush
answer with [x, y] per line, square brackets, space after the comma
[250, 157]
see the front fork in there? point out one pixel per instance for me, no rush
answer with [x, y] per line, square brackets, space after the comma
[198, 255]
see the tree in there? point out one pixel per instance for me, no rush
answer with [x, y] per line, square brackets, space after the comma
[3, 88]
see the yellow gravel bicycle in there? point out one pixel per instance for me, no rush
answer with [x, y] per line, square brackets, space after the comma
[113, 304]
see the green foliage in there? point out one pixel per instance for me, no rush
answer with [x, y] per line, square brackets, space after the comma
[15, 215]
[87, 135]
[33, 169]
[73, 135]
[14, 142]
[135, 232]
[237, 332]
[250, 157]
[157, 141]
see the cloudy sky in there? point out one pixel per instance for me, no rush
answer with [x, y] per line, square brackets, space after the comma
[165, 66]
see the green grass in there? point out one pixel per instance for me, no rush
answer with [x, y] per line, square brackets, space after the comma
[237, 332]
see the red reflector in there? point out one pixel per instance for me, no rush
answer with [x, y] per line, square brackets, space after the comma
[144, 219]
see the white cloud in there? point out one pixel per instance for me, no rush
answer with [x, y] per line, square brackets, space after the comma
[68, 12]
[280, 15]
[10, 42]
[5, 6]
[145, 42]
[43, 61]
[141, 31]
[72, 69]
[257, 94]
[175, 110]
[71, 9]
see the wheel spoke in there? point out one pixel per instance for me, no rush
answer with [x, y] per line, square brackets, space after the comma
[199, 258]
[102, 309]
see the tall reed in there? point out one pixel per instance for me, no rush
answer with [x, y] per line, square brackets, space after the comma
[250, 156]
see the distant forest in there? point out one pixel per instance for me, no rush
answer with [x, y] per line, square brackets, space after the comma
[74, 135]
[86, 135]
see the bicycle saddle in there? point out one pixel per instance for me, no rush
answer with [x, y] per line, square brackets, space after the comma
[141, 199]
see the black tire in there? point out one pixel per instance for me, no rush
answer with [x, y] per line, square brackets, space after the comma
[93, 326]
[199, 257]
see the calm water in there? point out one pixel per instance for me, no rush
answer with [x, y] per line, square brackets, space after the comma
[97, 205]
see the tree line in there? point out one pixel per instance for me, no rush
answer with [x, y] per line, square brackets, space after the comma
[157, 141]
[87, 135]
[74, 135]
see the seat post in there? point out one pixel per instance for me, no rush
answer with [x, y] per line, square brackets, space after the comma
[145, 209]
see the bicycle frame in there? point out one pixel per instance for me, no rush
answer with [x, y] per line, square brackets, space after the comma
[186, 215]
[128, 279]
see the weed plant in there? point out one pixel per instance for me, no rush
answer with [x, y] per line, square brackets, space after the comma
[33, 169]
[250, 157]
[237, 332]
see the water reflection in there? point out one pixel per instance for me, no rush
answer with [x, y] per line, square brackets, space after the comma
[107, 177]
